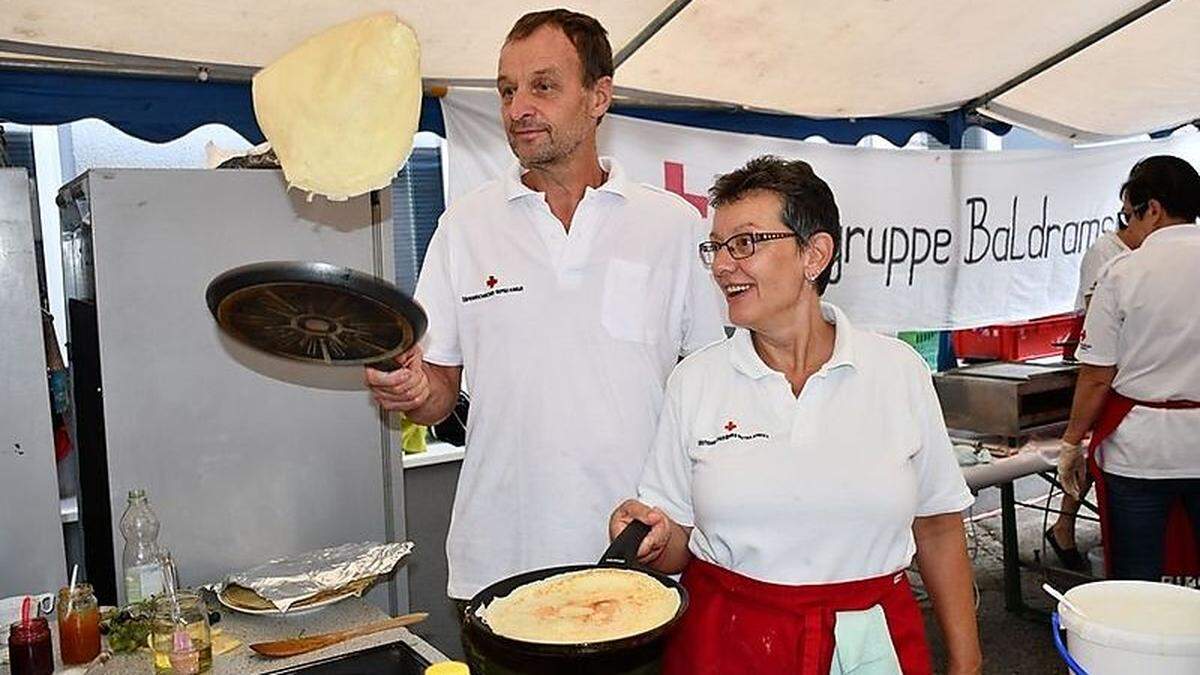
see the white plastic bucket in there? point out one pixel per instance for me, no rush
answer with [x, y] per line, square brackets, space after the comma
[1138, 627]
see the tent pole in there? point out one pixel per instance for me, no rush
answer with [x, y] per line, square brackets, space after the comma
[71, 60]
[956, 123]
[1065, 54]
[198, 73]
[648, 31]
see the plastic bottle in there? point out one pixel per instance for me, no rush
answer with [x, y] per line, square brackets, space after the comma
[141, 560]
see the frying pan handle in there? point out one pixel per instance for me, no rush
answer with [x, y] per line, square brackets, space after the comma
[387, 365]
[390, 364]
[623, 550]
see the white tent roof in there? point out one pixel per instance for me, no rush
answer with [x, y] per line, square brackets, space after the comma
[1080, 68]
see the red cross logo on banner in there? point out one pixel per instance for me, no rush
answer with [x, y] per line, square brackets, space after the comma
[491, 281]
[673, 182]
[730, 425]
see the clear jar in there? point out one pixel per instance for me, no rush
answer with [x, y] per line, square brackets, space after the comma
[182, 642]
[78, 624]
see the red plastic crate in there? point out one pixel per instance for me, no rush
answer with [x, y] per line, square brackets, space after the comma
[1014, 341]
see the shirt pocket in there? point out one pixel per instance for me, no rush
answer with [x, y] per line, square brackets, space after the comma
[627, 309]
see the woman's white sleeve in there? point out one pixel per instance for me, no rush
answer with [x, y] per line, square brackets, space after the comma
[667, 477]
[940, 484]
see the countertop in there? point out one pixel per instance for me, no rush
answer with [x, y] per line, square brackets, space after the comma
[248, 629]
[437, 452]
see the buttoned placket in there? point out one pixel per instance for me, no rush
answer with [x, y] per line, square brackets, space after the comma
[569, 250]
[780, 403]
[802, 410]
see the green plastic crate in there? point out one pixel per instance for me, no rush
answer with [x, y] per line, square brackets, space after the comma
[925, 342]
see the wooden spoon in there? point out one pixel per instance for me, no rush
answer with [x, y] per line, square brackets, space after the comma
[294, 646]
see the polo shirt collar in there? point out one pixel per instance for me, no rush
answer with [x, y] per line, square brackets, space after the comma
[617, 183]
[745, 358]
[1172, 233]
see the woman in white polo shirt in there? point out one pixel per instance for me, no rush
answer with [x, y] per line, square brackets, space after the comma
[800, 465]
[1139, 385]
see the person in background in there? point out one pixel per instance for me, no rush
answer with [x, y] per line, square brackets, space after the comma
[1138, 391]
[801, 464]
[1061, 535]
[564, 292]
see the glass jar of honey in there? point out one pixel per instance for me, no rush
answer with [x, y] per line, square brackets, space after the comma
[78, 624]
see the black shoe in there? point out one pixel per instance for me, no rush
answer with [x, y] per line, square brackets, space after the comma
[1070, 557]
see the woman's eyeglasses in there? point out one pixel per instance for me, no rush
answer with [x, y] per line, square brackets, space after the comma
[740, 246]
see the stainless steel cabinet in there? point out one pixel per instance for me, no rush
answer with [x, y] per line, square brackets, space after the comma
[31, 544]
[244, 456]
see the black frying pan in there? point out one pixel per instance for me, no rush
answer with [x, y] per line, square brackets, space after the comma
[621, 553]
[316, 312]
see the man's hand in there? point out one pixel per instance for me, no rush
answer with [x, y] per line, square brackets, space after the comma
[1072, 468]
[404, 389]
[660, 528]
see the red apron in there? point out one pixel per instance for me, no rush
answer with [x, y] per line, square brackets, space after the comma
[1181, 555]
[735, 625]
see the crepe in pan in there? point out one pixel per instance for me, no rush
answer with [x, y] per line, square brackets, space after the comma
[593, 605]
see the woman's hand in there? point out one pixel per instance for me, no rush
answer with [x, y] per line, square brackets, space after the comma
[652, 547]
[1072, 468]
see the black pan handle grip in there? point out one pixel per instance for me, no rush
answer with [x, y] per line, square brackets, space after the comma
[623, 550]
[387, 365]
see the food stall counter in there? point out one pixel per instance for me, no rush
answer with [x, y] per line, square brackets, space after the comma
[412, 653]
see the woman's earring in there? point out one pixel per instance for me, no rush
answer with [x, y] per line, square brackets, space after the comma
[812, 279]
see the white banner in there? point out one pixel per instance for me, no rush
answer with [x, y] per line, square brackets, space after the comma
[930, 239]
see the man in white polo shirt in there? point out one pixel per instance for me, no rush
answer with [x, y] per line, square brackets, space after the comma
[565, 293]
[1139, 386]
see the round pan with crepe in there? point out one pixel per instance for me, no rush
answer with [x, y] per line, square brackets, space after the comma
[339, 110]
[620, 556]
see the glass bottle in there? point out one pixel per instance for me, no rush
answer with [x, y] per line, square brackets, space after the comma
[78, 624]
[140, 560]
[180, 634]
[29, 650]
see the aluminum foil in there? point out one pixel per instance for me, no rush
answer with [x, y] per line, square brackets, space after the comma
[286, 581]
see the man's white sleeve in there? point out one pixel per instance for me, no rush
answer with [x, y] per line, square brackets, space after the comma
[435, 293]
[1089, 270]
[1102, 325]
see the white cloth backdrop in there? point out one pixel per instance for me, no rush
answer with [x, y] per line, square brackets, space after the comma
[931, 239]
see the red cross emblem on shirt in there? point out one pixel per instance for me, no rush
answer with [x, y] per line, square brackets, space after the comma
[730, 425]
[491, 281]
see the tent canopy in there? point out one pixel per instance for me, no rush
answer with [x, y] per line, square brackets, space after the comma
[1082, 69]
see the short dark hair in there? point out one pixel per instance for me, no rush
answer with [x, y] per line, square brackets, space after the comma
[586, 33]
[807, 204]
[1171, 181]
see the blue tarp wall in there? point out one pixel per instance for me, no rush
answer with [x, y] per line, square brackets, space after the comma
[160, 110]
